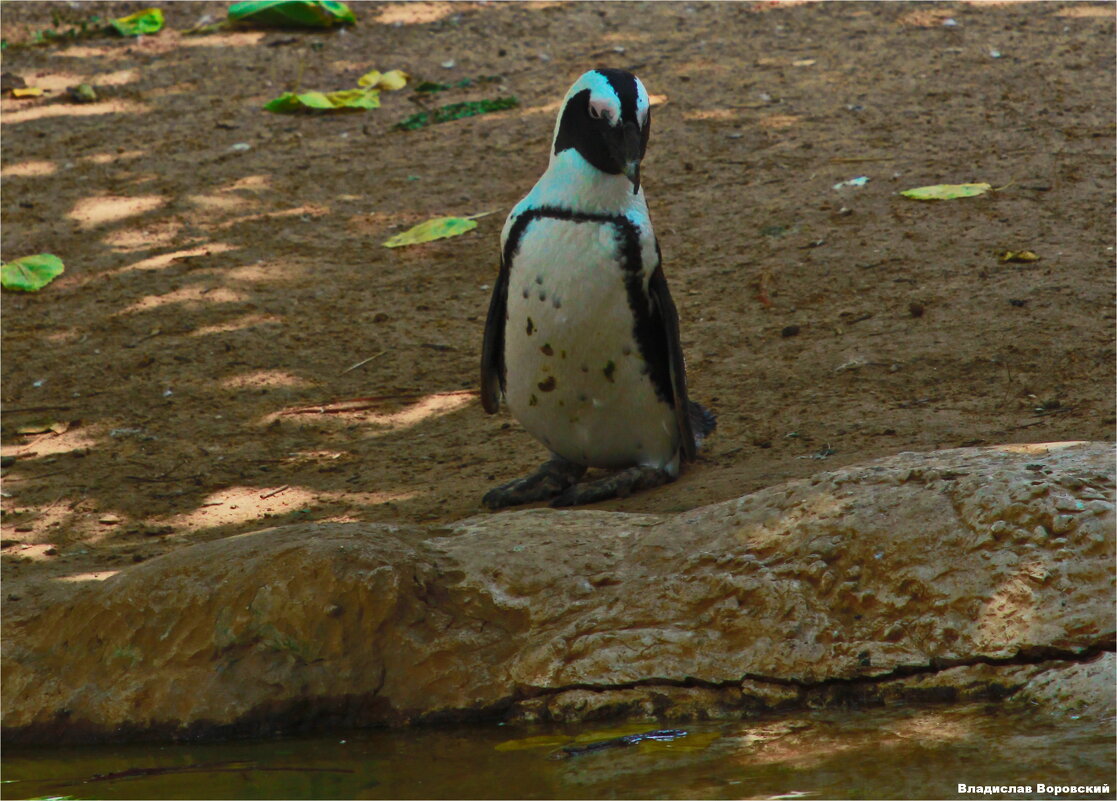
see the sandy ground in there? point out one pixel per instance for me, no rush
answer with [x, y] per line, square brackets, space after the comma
[187, 368]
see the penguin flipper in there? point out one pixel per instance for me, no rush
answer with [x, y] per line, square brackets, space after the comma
[492, 349]
[668, 319]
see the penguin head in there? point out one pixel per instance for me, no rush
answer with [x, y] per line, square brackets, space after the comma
[606, 119]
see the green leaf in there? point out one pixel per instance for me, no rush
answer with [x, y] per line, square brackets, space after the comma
[344, 100]
[438, 228]
[142, 22]
[456, 111]
[31, 273]
[946, 191]
[292, 13]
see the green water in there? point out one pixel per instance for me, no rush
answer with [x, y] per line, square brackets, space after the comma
[909, 752]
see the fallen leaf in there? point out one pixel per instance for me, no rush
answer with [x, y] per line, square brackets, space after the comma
[946, 191]
[29, 91]
[344, 100]
[31, 273]
[140, 23]
[292, 13]
[389, 81]
[438, 228]
[1017, 256]
[803, 62]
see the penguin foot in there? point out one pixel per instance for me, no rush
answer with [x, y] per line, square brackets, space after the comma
[618, 485]
[549, 480]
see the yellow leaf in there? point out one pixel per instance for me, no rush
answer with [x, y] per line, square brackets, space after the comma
[1017, 255]
[946, 191]
[389, 81]
[369, 78]
[28, 91]
[438, 228]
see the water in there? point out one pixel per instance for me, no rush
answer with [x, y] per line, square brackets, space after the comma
[907, 752]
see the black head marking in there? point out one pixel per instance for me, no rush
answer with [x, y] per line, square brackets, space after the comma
[609, 142]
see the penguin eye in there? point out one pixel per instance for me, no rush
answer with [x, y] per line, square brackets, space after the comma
[598, 111]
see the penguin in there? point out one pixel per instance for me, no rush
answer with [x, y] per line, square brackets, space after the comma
[582, 336]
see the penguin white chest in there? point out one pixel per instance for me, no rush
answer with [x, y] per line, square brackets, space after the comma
[576, 377]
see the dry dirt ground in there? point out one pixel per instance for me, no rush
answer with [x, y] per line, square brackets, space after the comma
[217, 299]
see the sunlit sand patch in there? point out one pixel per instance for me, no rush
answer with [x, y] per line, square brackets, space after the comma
[186, 295]
[301, 211]
[240, 39]
[713, 114]
[160, 235]
[34, 553]
[57, 81]
[1101, 11]
[926, 18]
[87, 51]
[76, 110]
[49, 444]
[100, 575]
[429, 407]
[419, 13]
[93, 211]
[222, 202]
[237, 324]
[264, 378]
[236, 505]
[249, 183]
[61, 336]
[778, 121]
[166, 259]
[118, 78]
[29, 169]
[426, 408]
[110, 158]
[264, 273]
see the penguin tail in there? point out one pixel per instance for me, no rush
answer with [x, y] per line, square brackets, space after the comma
[702, 421]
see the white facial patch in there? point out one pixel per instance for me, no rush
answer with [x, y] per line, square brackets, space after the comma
[604, 108]
[643, 103]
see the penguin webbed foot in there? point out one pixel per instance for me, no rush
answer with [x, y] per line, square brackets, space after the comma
[551, 479]
[618, 485]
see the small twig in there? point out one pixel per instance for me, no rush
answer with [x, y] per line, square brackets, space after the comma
[275, 492]
[363, 363]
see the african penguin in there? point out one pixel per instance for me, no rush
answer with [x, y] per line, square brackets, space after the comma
[582, 337]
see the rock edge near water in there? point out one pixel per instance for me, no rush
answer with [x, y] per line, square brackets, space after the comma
[969, 573]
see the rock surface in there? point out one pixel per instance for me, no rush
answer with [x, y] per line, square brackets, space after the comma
[965, 573]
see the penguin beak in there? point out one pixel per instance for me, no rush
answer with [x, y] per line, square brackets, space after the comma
[625, 145]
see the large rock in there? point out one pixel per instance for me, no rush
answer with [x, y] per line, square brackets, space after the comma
[943, 575]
